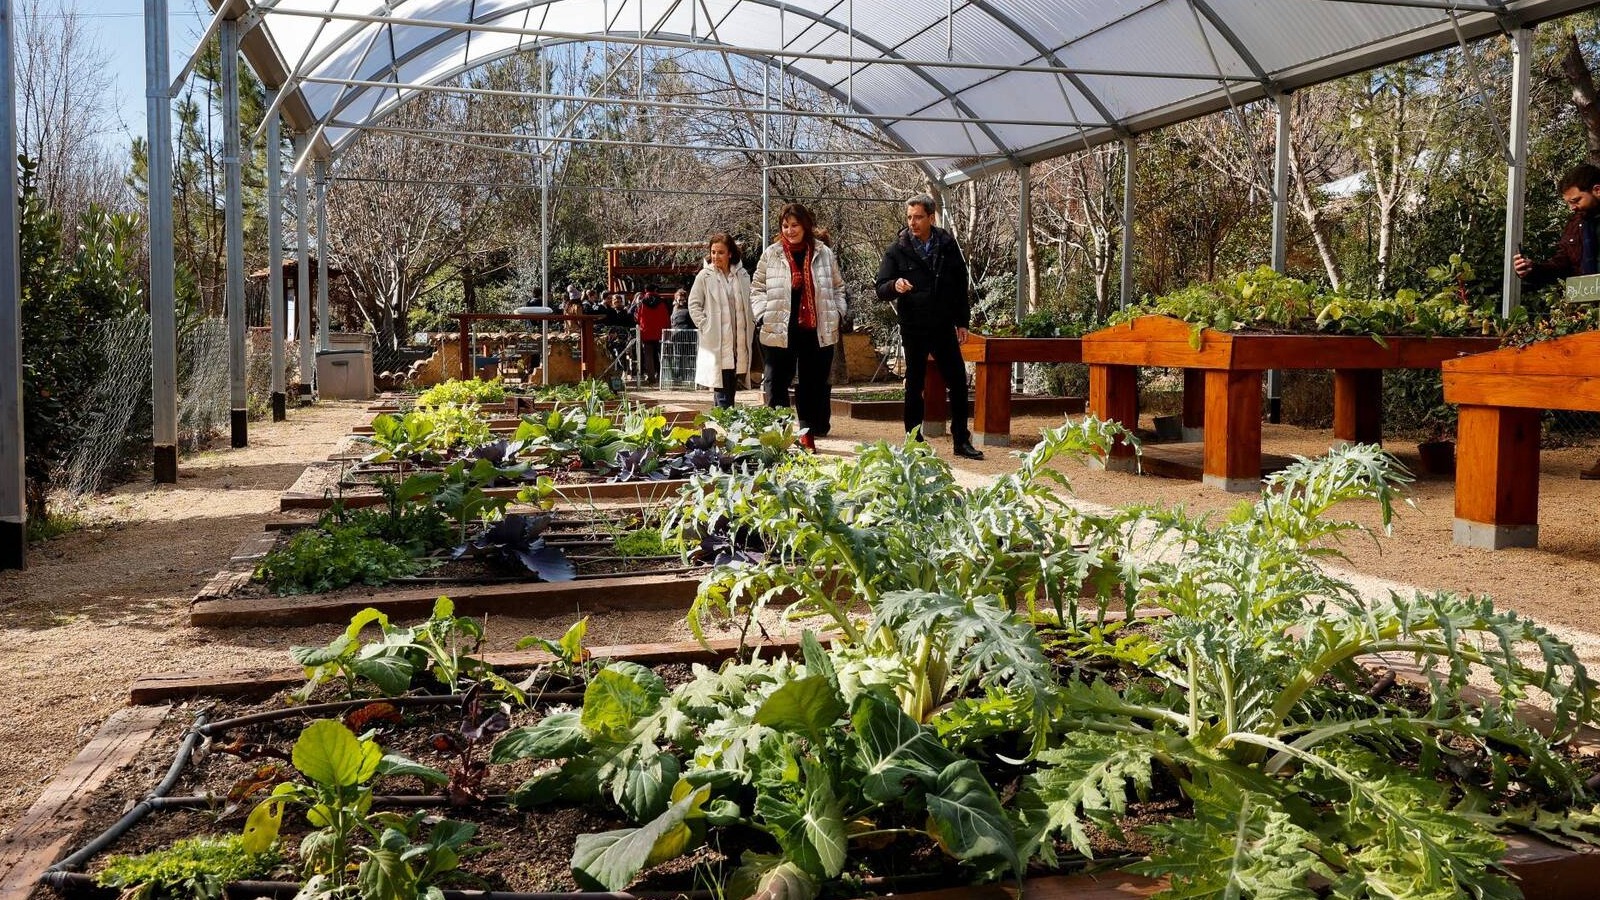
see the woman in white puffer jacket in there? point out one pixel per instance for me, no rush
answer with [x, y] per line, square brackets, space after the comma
[719, 304]
[797, 294]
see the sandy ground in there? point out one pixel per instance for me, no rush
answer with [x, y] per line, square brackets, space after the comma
[99, 607]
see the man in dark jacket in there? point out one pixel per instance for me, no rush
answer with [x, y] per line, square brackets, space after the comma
[925, 276]
[1578, 251]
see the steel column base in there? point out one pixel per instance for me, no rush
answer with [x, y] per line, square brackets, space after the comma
[1484, 536]
[279, 406]
[166, 463]
[1128, 464]
[1232, 485]
[13, 545]
[240, 419]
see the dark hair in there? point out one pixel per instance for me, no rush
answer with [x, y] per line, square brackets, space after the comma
[726, 240]
[798, 212]
[1583, 177]
[926, 202]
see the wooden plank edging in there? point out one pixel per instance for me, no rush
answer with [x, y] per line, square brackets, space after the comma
[42, 834]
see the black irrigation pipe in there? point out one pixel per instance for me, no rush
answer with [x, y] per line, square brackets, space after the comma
[391, 801]
[63, 874]
[141, 809]
[278, 715]
[242, 890]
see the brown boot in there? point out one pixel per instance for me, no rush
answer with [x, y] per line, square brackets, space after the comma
[1592, 473]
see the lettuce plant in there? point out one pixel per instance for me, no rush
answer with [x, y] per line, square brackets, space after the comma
[474, 391]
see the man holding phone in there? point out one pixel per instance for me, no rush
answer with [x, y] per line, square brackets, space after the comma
[1578, 251]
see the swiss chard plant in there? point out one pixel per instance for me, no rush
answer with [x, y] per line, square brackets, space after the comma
[1254, 696]
[815, 758]
[441, 647]
[388, 853]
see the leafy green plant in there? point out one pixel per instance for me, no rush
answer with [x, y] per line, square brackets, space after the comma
[569, 652]
[813, 757]
[442, 646]
[331, 557]
[646, 541]
[336, 797]
[427, 434]
[581, 393]
[474, 392]
[943, 570]
[1268, 300]
[1251, 698]
[190, 869]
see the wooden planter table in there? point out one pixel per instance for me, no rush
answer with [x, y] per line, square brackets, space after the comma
[991, 405]
[1222, 383]
[1502, 396]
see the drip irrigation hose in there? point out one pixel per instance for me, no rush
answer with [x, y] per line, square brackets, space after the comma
[64, 875]
[239, 890]
[141, 809]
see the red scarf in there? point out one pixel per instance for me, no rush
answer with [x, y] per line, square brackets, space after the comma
[800, 280]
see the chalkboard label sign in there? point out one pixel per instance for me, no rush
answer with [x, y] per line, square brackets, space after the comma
[1583, 289]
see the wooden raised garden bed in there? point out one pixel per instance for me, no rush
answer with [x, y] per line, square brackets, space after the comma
[317, 489]
[1228, 368]
[138, 739]
[1502, 396]
[235, 598]
[510, 419]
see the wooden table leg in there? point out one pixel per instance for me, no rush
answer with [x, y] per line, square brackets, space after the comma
[1233, 430]
[935, 403]
[1194, 403]
[1358, 405]
[1497, 477]
[991, 410]
[1114, 397]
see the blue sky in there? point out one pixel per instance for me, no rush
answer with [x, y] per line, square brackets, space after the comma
[118, 28]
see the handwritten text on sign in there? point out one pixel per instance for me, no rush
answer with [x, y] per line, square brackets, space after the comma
[1583, 289]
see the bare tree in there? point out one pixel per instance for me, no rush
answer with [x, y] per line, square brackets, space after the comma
[1078, 208]
[63, 94]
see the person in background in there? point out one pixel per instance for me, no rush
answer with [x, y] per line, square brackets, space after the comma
[925, 276]
[798, 301]
[719, 309]
[681, 319]
[653, 313]
[1578, 251]
[573, 308]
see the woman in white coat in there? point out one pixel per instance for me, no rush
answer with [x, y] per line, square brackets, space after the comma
[719, 304]
[797, 294]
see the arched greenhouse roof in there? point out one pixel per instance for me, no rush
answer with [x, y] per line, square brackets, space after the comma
[970, 84]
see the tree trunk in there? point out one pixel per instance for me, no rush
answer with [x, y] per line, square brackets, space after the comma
[1584, 95]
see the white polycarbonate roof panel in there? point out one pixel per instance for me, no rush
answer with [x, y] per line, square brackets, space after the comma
[1142, 63]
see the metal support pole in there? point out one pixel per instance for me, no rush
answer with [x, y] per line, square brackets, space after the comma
[544, 188]
[1280, 229]
[1517, 172]
[275, 260]
[1129, 155]
[13, 478]
[766, 134]
[324, 325]
[302, 291]
[163, 305]
[1024, 267]
[233, 232]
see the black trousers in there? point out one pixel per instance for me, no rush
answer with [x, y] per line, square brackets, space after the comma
[650, 360]
[946, 352]
[722, 397]
[812, 363]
